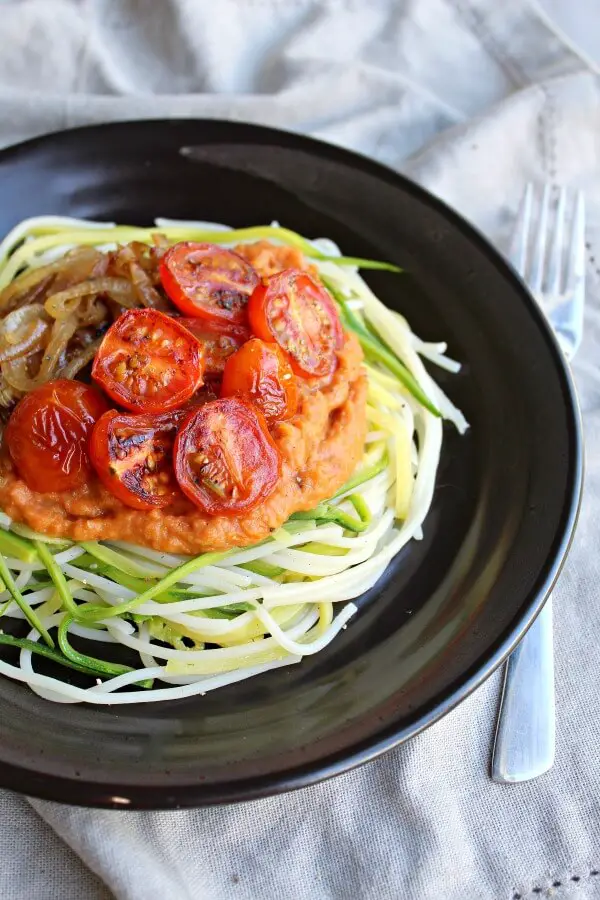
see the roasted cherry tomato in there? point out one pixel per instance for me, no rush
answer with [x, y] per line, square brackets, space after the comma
[208, 281]
[218, 341]
[225, 459]
[48, 434]
[291, 309]
[133, 457]
[259, 372]
[148, 362]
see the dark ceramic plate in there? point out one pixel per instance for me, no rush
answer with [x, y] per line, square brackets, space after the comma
[452, 606]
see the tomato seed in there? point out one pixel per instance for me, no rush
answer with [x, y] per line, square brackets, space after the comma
[121, 370]
[136, 361]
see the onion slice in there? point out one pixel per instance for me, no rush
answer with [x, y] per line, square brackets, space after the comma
[23, 331]
[64, 303]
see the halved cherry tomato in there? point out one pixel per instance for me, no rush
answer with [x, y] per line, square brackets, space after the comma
[133, 457]
[48, 434]
[218, 341]
[296, 312]
[259, 372]
[148, 362]
[225, 459]
[208, 281]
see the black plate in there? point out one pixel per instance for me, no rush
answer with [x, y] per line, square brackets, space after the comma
[451, 606]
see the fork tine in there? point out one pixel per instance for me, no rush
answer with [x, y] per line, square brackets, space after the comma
[536, 275]
[518, 248]
[576, 257]
[575, 282]
[554, 261]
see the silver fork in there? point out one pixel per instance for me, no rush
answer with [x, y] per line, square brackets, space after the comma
[548, 251]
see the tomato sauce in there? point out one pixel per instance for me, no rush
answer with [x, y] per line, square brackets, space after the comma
[320, 447]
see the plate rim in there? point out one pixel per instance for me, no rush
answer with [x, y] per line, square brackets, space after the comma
[196, 794]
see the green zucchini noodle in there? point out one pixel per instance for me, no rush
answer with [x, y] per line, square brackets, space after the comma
[196, 624]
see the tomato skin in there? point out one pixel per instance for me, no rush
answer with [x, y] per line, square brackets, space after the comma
[132, 456]
[291, 309]
[225, 459]
[48, 434]
[208, 281]
[259, 372]
[148, 362]
[219, 341]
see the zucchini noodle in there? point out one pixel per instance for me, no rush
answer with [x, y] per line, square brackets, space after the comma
[190, 625]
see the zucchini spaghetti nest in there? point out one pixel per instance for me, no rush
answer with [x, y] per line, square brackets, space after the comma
[137, 607]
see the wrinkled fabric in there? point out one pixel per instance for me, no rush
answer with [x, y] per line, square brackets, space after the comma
[473, 98]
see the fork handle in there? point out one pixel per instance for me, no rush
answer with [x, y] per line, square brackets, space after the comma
[525, 737]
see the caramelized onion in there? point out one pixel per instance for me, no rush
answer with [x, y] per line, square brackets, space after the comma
[64, 303]
[52, 317]
[79, 360]
[17, 376]
[82, 263]
[75, 266]
[161, 243]
[8, 394]
[23, 331]
[127, 260]
[91, 312]
[62, 332]
[25, 284]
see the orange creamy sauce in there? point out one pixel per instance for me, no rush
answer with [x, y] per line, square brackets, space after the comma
[320, 448]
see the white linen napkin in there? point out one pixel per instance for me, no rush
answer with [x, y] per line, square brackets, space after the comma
[472, 98]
